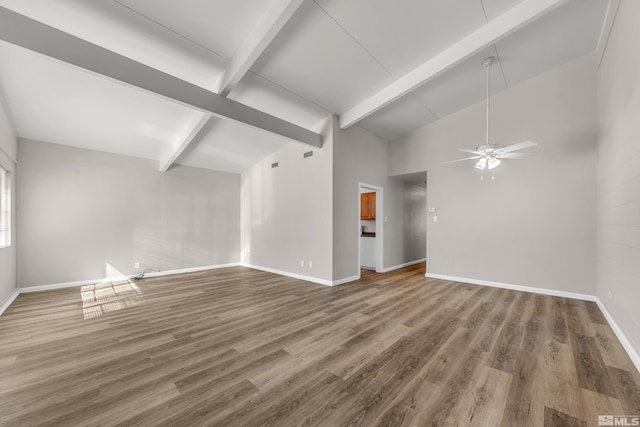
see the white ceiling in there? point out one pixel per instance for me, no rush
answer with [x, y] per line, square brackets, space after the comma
[327, 58]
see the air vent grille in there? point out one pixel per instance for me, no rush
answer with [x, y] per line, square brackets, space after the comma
[274, 165]
[308, 154]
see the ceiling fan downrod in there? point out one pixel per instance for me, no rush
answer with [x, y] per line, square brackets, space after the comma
[487, 64]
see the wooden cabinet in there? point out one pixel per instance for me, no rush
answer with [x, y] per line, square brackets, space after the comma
[368, 206]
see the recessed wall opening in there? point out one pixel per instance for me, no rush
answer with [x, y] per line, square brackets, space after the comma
[415, 215]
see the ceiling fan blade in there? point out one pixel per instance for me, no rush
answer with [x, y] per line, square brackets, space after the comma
[518, 146]
[467, 150]
[514, 155]
[460, 160]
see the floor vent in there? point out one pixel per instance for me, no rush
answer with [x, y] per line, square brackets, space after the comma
[274, 165]
[308, 154]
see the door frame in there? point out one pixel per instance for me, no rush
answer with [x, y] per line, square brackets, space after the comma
[379, 225]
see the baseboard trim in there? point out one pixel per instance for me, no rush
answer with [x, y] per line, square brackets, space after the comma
[406, 264]
[631, 351]
[543, 291]
[55, 286]
[112, 279]
[288, 274]
[191, 270]
[345, 280]
[9, 300]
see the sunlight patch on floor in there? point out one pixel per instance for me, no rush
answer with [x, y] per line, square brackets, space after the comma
[107, 297]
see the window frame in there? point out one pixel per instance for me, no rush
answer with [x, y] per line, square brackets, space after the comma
[5, 207]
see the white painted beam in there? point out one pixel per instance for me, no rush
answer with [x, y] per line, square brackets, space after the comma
[261, 36]
[193, 132]
[33, 35]
[270, 24]
[607, 26]
[505, 24]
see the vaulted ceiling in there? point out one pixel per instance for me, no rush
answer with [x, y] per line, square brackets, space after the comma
[387, 66]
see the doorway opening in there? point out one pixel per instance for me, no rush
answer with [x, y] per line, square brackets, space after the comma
[370, 227]
[416, 215]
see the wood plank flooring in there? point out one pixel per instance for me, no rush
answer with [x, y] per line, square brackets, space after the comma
[242, 347]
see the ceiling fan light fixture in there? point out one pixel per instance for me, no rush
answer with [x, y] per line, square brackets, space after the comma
[489, 155]
[493, 163]
[482, 163]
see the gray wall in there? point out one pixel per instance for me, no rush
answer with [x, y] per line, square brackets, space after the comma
[80, 209]
[286, 211]
[415, 221]
[307, 209]
[535, 224]
[8, 156]
[619, 173]
[360, 156]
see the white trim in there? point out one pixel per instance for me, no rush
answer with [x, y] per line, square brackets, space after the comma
[406, 264]
[288, 274]
[116, 278]
[55, 286]
[543, 291]
[345, 280]
[633, 354]
[190, 270]
[10, 299]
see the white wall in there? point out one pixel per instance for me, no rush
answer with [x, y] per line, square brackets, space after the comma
[8, 158]
[79, 209]
[618, 269]
[286, 211]
[534, 225]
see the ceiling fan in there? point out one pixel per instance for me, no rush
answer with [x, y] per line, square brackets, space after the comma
[490, 155]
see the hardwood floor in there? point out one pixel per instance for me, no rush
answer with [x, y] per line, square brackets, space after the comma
[247, 348]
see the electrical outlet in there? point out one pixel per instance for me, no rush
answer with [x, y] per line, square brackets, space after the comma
[137, 264]
[310, 264]
[302, 263]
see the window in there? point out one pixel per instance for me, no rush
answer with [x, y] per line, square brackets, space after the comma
[5, 208]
